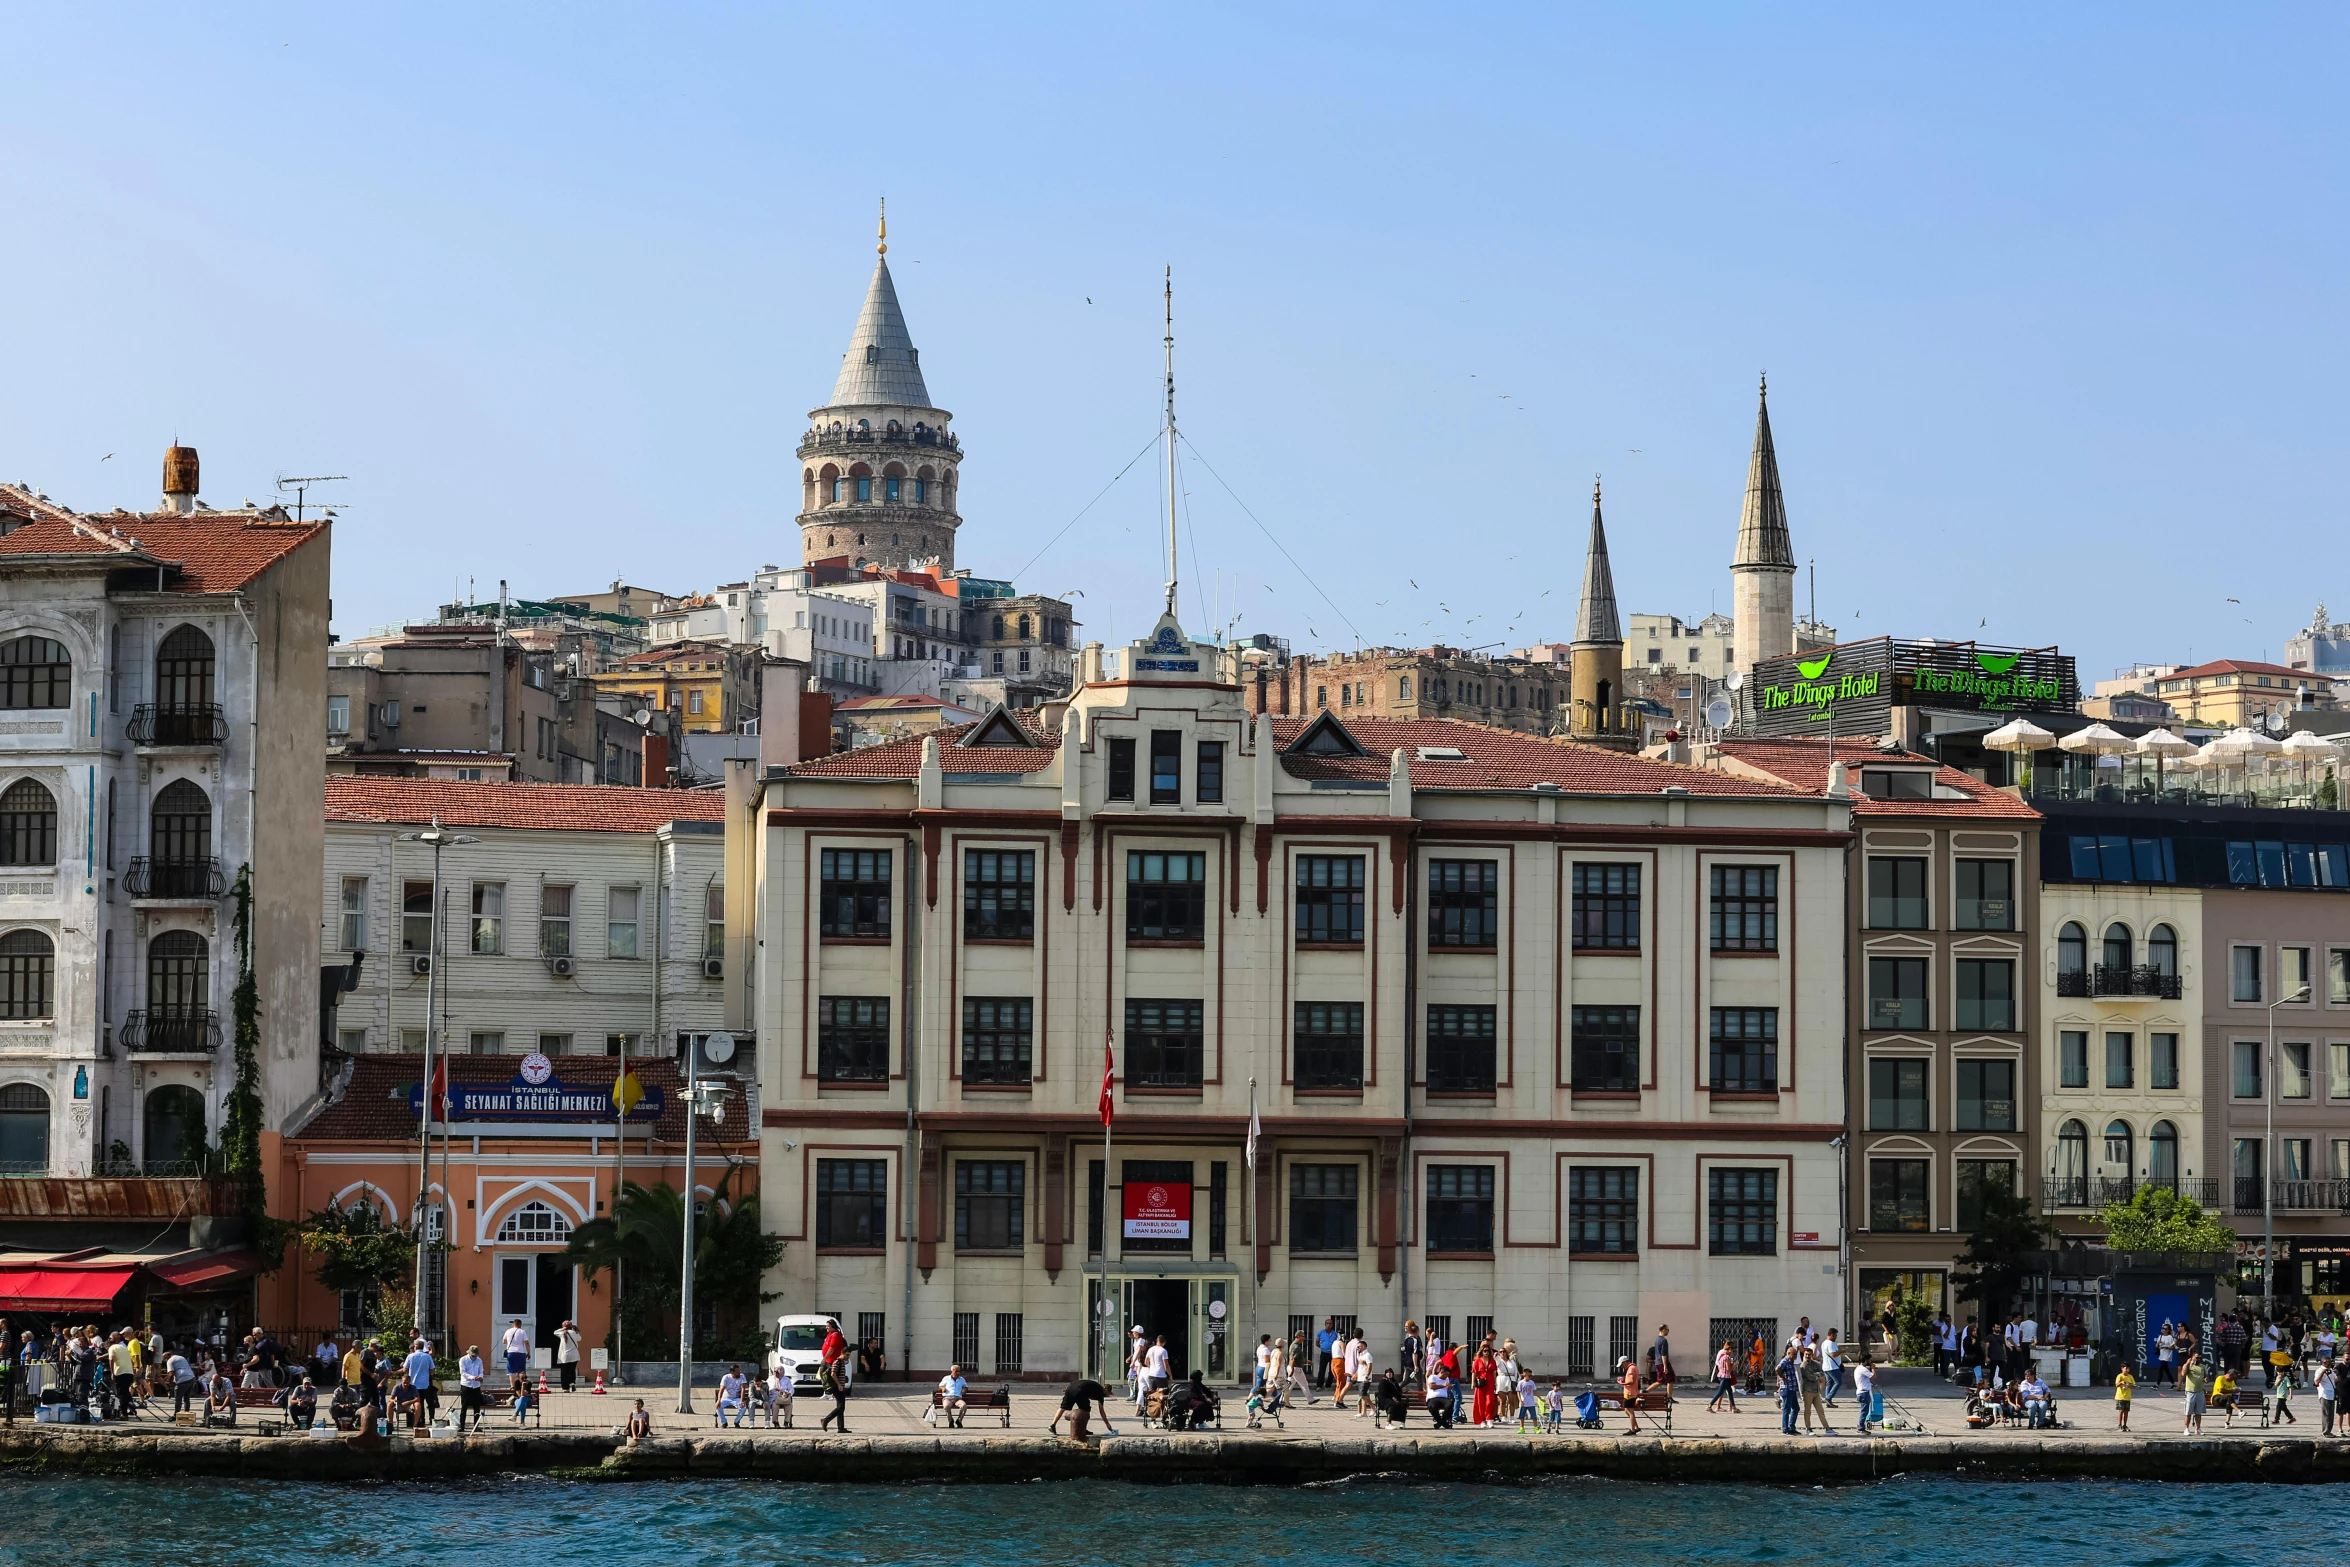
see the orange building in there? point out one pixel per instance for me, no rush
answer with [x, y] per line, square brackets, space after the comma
[528, 1157]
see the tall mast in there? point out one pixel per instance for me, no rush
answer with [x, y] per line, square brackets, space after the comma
[1171, 441]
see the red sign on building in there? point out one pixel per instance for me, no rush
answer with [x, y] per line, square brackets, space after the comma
[1159, 1210]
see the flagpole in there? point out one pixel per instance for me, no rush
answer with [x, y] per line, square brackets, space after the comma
[1248, 1194]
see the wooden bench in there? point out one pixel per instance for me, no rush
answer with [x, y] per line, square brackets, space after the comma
[977, 1400]
[1655, 1399]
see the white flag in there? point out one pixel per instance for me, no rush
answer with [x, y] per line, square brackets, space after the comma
[1254, 1129]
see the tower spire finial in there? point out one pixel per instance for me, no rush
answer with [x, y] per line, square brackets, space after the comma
[1171, 571]
[883, 247]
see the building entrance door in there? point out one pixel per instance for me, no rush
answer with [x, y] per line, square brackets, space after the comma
[553, 1306]
[517, 1296]
[1162, 1307]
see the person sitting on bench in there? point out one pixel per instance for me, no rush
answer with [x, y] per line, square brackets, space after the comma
[1439, 1398]
[345, 1407]
[1198, 1401]
[953, 1396]
[1388, 1401]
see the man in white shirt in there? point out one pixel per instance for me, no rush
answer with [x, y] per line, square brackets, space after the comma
[1832, 1362]
[953, 1394]
[1155, 1366]
[1137, 1370]
[2029, 1333]
[1358, 1372]
[730, 1395]
[1266, 1356]
[183, 1383]
[567, 1354]
[516, 1343]
[469, 1395]
[419, 1368]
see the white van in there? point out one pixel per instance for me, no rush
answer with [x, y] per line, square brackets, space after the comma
[799, 1344]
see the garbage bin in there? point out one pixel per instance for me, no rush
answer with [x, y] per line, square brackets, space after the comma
[2076, 1370]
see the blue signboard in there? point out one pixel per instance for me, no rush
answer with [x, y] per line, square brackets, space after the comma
[549, 1099]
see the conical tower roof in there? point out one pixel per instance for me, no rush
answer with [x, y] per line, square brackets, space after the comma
[881, 366]
[1762, 527]
[1595, 616]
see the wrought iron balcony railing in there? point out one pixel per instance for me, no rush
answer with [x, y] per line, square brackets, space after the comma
[2142, 980]
[153, 878]
[176, 1029]
[157, 723]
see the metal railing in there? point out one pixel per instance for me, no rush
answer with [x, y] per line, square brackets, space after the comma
[2143, 979]
[155, 723]
[182, 1030]
[2072, 982]
[2245, 1194]
[2314, 1196]
[153, 878]
[818, 438]
[2063, 1191]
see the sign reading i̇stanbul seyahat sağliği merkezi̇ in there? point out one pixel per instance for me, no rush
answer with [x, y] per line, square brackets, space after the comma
[1855, 685]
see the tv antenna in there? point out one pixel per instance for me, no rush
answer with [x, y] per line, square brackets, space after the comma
[300, 486]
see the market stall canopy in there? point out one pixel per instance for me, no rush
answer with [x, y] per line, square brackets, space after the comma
[2019, 734]
[205, 1269]
[43, 1286]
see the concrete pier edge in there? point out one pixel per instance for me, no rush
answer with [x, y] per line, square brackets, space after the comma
[979, 1459]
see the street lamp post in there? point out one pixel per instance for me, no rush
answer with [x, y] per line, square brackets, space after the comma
[700, 1099]
[439, 838]
[2268, 1161]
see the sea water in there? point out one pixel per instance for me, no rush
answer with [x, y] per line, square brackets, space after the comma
[527, 1521]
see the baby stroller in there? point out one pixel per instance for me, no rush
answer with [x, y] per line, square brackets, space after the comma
[1189, 1412]
[1263, 1401]
[1587, 1411]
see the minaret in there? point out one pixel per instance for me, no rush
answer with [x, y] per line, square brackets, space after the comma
[1762, 577]
[878, 464]
[1596, 676]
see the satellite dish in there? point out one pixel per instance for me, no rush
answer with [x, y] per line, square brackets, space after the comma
[1737, 680]
[1718, 712]
[2276, 721]
[718, 1049]
[641, 717]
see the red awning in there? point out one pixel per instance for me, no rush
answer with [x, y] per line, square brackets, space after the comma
[60, 1289]
[204, 1269]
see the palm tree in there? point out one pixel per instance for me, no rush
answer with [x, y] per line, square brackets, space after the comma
[646, 1232]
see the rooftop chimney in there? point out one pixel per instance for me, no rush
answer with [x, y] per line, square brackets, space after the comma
[179, 479]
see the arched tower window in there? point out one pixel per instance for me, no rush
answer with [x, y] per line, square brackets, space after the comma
[28, 973]
[2072, 950]
[2162, 1155]
[183, 670]
[175, 1130]
[28, 824]
[24, 1130]
[2117, 947]
[180, 843]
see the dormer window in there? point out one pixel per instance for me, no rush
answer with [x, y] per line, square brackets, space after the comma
[1887, 784]
[872, 357]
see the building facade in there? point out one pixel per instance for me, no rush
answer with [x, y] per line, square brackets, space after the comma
[2239, 693]
[711, 687]
[1536, 1035]
[1529, 696]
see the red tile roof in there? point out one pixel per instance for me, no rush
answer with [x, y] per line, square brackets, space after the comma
[1505, 759]
[374, 1106]
[1802, 760]
[557, 807]
[210, 552]
[903, 758]
[2239, 666]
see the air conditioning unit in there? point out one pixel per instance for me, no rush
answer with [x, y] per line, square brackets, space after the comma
[561, 968]
[419, 963]
[713, 968]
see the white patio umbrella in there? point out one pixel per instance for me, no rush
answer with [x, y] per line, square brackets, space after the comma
[2021, 736]
[2162, 744]
[2303, 747]
[2236, 748]
[2096, 740]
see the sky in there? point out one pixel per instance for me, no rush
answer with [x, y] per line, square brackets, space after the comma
[2049, 298]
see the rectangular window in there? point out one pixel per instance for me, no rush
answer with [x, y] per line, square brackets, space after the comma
[1603, 1048]
[620, 921]
[354, 931]
[1607, 907]
[1208, 773]
[1330, 900]
[1165, 1045]
[999, 895]
[1986, 994]
[1218, 1201]
[1897, 1195]
[2294, 1153]
[852, 1039]
[1986, 895]
[1897, 1096]
[2293, 1070]
[1461, 903]
[2294, 973]
[555, 922]
[1745, 908]
[1742, 1212]
[488, 1044]
[1743, 1054]
[338, 715]
[2338, 1071]
[1460, 1050]
[2245, 1081]
[1329, 1044]
[2244, 972]
[416, 916]
[1986, 1096]
[489, 918]
[2338, 975]
[622, 1045]
[988, 1207]
[996, 1039]
[1897, 993]
[1010, 1328]
[1603, 1210]
[714, 920]
[853, 898]
[1897, 894]
[2121, 1060]
[966, 1338]
[1166, 896]
[1322, 1199]
[2072, 1058]
[554, 1044]
[1460, 1208]
[1166, 767]
[1122, 769]
[1975, 1177]
[2162, 1060]
[1093, 1209]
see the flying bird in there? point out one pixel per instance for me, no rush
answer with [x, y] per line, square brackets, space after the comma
[1414, 584]
[1089, 299]
[109, 457]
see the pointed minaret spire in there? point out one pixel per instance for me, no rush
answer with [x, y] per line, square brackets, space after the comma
[1762, 575]
[881, 366]
[1596, 620]
[1762, 527]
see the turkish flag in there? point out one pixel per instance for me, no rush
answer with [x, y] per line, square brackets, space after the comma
[1109, 1080]
[438, 1095]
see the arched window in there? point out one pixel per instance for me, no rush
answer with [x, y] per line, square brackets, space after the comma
[1024, 628]
[28, 825]
[998, 632]
[534, 1223]
[2117, 946]
[2072, 949]
[178, 976]
[24, 1130]
[175, 1130]
[2117, 1147]
[2162, 1155]
[28, 973]
[2072, 1151]
[182, 832]
[35, 672]
[2162, 950]
[183, 671]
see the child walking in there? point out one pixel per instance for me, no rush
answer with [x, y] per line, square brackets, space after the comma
[2124, 1386]
[1529, 1402]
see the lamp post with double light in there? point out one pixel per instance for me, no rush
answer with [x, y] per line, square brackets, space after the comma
[438, 838]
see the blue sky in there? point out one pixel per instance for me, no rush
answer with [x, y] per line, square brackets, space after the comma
[2050, 297]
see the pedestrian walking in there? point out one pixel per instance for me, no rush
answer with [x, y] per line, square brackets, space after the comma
[1414, 1347]
[1506, 1377]
[2166, 1349]
[567, 1354]
[2327, 1388]
[1790, 1378]
[1725, 1379]
[833, 1372]
[1811, 1379]
[516, 1343]
[1483, 1402]
[1628, 1383]
[1660, 1356]
[1325, 1344]
[2193, 1379]
[1832, 1364]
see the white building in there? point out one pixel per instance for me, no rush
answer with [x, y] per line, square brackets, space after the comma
[832, 633]
[1505, 1075]
[583, 921]
[165, 675]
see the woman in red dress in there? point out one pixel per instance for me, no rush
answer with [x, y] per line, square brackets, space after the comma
[1483, 1405]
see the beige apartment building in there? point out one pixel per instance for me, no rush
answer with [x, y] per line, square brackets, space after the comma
[1396, 1018]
